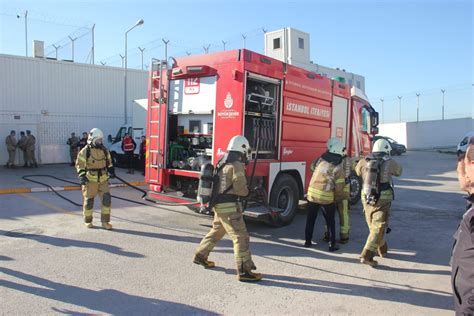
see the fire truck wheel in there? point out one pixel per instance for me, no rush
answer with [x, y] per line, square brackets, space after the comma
[356, 187]
[285, 195]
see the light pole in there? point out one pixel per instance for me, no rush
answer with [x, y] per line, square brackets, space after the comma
[139, 22]
[223, 43]
[206, 48]
[442, 109]
[243, 38]
[72, 44]
[141, 50]
[166, 42]
[123, 59]
[417, 107]
[26, 31]
[93, 44]
[400, 107]
[56, 48]
[382, 99]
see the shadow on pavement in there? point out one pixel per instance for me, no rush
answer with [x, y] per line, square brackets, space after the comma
[383, 291]
[64, 242]
[103, 301]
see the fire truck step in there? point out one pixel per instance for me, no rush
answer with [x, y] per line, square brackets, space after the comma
[260, 211]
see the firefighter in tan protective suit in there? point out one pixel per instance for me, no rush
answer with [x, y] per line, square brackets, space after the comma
[325, 188]
[94, 168]
[342, 204]
[227, 207]
[377, 195]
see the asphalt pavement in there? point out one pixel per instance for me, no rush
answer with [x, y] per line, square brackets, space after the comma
[50, 263]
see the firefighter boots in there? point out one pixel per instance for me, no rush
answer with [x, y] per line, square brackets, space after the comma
[326, 237]
[333, 247]
[367, 257]
[107, 225]
[382, 250]
[344, 239]
[89, 225]
[203, 262]
[249, 276]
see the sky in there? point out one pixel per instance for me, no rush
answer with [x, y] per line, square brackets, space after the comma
[401, 47]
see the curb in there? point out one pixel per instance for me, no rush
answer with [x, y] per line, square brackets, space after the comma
[63, 188]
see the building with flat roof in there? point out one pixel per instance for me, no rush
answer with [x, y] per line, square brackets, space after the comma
[293, 47]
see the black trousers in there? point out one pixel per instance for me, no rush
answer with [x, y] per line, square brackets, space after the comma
[329, 211]
[129, 159]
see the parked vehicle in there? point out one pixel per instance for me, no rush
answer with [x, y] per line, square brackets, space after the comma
[462, 146]
[198, 103]
[136, 130]
[397, 149]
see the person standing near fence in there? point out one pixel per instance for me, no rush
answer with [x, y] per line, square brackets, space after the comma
[143, 153]
[30, 149]
[73, 143]
[128, 147]
[22, 145]
[11, 143]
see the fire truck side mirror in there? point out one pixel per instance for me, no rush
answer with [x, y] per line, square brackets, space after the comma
[375, 130]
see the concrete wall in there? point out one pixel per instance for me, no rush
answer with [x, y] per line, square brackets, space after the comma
[428, 134]
[54, 98]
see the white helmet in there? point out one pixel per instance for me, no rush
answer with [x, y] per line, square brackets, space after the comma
[335, 146]
[240, 144]
[95, 137]
[382, 145]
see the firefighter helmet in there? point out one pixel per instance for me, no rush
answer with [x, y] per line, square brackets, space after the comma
[95, 137]
[335, 146]
[382, 145]
[240, 144]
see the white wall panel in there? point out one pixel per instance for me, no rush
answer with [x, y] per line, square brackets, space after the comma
[57, 98]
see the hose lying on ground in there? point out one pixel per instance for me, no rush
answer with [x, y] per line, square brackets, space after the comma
[144, 196]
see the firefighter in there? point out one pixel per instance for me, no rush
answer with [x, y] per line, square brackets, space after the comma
[30, 145]
[83, 141]
[11, 143]
[227, 207]
[377, 194]
[128, 147]
[325, 188]
[462, 257]
[73, 143]
[94, 168]
[22, 145]
[342, 203]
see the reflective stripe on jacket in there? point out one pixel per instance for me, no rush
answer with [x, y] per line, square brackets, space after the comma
[327, 183]
[95, 166]
[128, 144]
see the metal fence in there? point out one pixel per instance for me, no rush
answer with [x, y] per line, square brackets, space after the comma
[434, 104]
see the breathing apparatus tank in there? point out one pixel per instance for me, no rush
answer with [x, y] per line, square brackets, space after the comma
[206, 181]
[371, 184]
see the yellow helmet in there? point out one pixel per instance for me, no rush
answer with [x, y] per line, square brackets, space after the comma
[240, 144]
[335, 146]
[382, 145]
[95, 137]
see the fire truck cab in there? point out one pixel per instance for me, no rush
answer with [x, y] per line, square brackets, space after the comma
[198, 103]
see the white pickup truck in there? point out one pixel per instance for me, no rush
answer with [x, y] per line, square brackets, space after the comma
[136, 130]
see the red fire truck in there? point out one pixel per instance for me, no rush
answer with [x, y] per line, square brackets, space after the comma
[198, 103]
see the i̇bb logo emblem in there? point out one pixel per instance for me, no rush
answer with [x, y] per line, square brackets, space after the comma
[192, 86]
[228, 101]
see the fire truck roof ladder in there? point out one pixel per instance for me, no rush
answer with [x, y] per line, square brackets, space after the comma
[156, 92]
